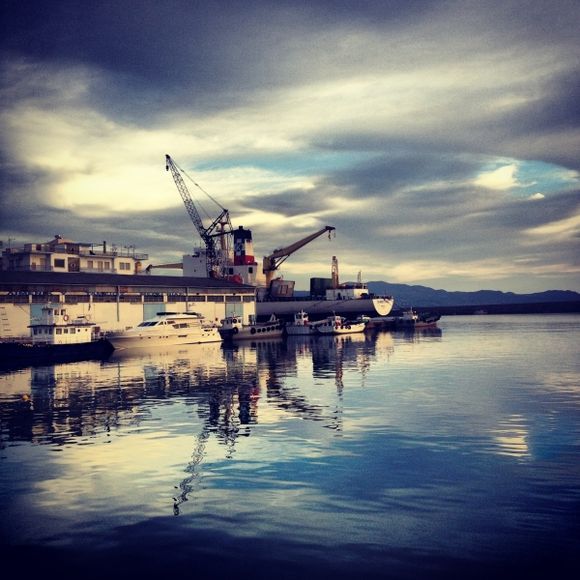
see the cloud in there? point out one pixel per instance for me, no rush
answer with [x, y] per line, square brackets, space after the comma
[500, 178]
[564, 229]
[418, 129]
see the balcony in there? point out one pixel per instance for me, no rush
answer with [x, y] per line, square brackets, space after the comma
[112, 254]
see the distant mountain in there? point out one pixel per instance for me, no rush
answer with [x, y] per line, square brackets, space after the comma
[423, 296]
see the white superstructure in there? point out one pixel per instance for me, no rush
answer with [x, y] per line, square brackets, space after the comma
[56, 327]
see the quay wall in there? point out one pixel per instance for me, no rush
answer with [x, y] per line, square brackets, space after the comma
[112, 306]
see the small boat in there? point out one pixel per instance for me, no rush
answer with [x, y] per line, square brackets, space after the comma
[56, 338]
[167, 328]
[301, 325]
[339, 325]
[233, 328]
[411, 319]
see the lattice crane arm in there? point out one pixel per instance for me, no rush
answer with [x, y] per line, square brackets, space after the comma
[221, 226]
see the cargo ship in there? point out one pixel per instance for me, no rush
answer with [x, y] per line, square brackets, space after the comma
[350, 299]
[276, 296]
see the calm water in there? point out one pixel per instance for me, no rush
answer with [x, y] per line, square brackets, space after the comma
[448, 453]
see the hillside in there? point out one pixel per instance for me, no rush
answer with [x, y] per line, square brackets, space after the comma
[422, 296]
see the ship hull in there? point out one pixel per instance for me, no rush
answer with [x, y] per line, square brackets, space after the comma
[322, 308]
[15, 353]
[272, 330]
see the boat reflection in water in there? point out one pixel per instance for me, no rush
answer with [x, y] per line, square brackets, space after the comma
[224, 382]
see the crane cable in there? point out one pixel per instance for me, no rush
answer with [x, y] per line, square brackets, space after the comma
[201, 188]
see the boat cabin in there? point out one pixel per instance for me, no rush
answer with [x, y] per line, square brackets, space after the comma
[55, 327]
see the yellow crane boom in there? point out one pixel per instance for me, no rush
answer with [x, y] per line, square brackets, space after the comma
[272, 262]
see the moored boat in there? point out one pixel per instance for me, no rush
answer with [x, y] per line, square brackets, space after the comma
[301, 325]
[167, 328]
[339, 325]
[409, 319]
[233, 328]
[55, 337]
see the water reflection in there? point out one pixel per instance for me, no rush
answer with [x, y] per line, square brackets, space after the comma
[58, 403]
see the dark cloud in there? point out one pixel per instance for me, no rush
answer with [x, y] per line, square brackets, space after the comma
[289, 203]
[386, 174]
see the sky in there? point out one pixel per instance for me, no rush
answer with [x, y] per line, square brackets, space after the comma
[440, 138]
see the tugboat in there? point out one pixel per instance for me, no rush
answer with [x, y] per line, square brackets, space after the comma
[56, 338]
[233, 328]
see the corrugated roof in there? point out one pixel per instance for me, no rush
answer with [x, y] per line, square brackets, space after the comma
[82, 279]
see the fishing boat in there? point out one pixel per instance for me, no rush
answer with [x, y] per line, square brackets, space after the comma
[167, 328]
[233, 328]
[301, 325]
[409, 319]
[56, 337]
[336, 324]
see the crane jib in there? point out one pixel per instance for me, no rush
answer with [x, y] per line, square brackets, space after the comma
[221, 226]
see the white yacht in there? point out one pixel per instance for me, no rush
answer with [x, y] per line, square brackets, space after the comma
[167, 328]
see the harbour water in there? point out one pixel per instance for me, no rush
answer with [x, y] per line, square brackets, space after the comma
[452, 453]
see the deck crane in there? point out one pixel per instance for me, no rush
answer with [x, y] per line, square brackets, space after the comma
[217, 258]
[272, 262]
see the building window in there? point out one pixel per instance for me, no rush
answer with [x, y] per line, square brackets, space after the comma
[124, 265]
[58, 263]
[215, 298]
[90, 264]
